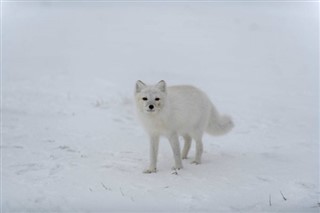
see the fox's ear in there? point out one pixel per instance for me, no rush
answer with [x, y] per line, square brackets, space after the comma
[139, 86]
[162, 86]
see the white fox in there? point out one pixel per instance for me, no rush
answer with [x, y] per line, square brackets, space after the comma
[177, 111]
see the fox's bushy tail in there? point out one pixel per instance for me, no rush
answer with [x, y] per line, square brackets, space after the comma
[219, 124]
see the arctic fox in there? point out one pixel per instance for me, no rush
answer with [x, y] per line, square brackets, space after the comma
[177, 111]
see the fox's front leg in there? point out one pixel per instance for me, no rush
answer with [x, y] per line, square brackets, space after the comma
[154, 146]
[174, 142]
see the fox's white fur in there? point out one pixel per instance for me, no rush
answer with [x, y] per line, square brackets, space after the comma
[177, 111]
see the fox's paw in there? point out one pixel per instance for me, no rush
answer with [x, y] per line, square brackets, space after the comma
[195, 162]
[149, 171]
[177, 167]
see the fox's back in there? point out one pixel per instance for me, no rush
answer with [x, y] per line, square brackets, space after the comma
[190, 107]
[189, 97]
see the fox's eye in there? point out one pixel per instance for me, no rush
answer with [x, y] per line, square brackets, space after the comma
[157, 99]
[145, 98]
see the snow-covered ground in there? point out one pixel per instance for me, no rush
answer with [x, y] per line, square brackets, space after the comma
[70, 139]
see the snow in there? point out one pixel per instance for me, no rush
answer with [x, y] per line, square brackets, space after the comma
[70, 138]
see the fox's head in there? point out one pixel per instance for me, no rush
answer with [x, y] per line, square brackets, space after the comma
[150, 99]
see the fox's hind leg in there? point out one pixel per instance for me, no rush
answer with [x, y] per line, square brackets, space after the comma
[186, 147]
[199, 150]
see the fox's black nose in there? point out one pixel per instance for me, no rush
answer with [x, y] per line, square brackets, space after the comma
[151, 106]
